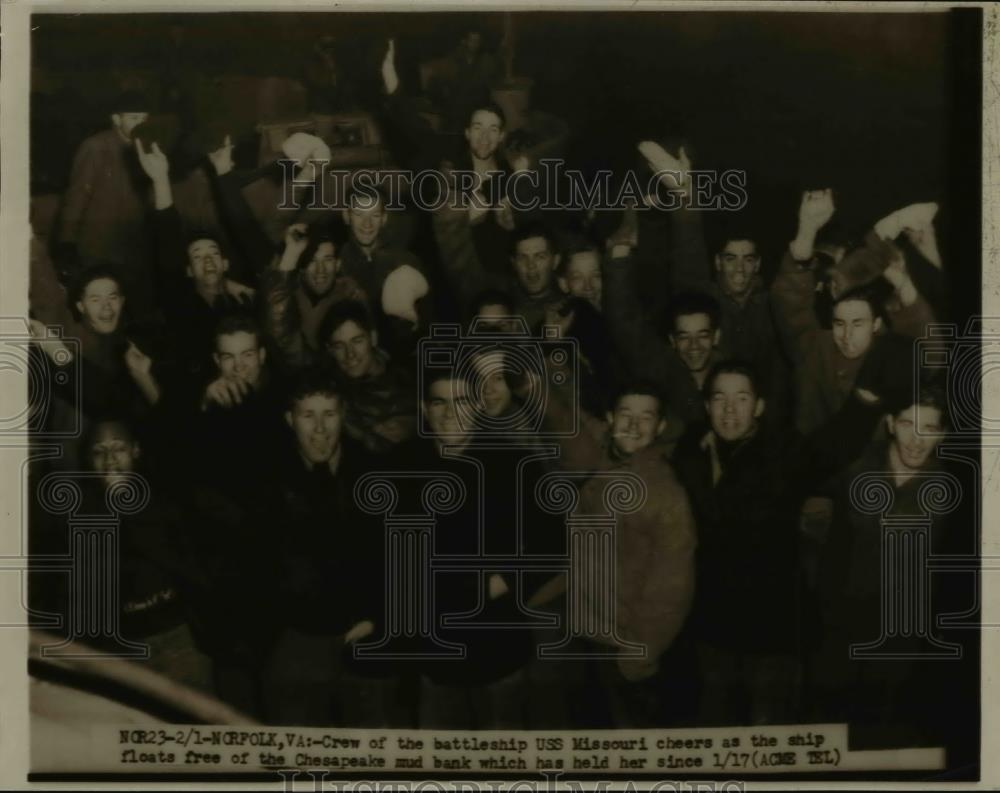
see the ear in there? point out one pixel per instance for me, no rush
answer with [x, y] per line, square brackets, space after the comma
[346, 216]
[385, 218]
[288, 417]
[718, 263]
[563, 285]
[79, 307]
[503, 135]
[189, 272]
[262, 351]
[609, 417]
[374, 338]
[661, 427]
[218, 361]
[717, 337]
[468, 135]
[337, 264]
[225, 265]
[877, 324]
[136, 450]
[673, 342]
[556, 258]
[890, 424]
[758, 408]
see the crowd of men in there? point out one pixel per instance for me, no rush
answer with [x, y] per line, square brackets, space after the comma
[257, 369]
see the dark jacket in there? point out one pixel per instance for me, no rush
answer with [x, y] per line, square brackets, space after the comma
[746, 498]
[485, 523]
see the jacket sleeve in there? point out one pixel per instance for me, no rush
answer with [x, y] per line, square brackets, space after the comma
[692, 268]
[460, 262]
[645, 352]
[793, 295]
[669, 590]
[86, 165]
[280, 318]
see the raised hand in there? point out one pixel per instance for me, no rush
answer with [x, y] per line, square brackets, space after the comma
[139, 364]
[222, 157]
[660, 160]
[390, 79]
[52, 346]
[816, 209]
[296, 241]
[154, 162]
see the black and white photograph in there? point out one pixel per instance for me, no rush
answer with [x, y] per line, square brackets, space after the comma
[499, 393]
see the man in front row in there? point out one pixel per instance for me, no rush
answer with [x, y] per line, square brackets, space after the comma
[331, 563]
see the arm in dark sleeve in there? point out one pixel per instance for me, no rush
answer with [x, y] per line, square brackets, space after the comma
[692, 269]
[635, 336]
[253, 244]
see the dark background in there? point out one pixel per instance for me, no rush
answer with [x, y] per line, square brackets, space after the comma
[885, 108]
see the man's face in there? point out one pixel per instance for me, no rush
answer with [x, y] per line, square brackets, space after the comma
[854, 327]
[126, 123]
[733, 406]
[583, 277]
[449, 410]
[737, 265]
[494, 393]
[239, 356]
[916, 433]
[113, 452]
[494, 318]
[694, 338]
[353, 348]
[321, 271]
[206, 265]
[534, 264]
[316, 420]
[101, 304]
[635, 423]
[484, 134]
[366, 219]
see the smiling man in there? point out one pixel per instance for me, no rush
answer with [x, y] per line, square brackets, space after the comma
[381, 406]
[331, 581]
[747, 480]
[875, 692]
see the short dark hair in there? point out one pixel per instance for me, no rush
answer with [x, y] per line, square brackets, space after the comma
[340, 312]
[492, 107]
[94, 272]
[687, 303]
[731, 366]
[316, 235]
[102, 420]
[873, 294]
[437, 374]
[237, 322]
[735, 234]
[932, 395]
[641, 387]
[490, 297]
[530, 231]
[310, 382]
[196, 235]
[575, 245]
[369, 190]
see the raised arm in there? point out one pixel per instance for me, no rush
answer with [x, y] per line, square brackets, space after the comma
[691, 267]
[645, 352]
[793, 292]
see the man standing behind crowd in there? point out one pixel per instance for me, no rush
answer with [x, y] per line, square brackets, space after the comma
[103, 211]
